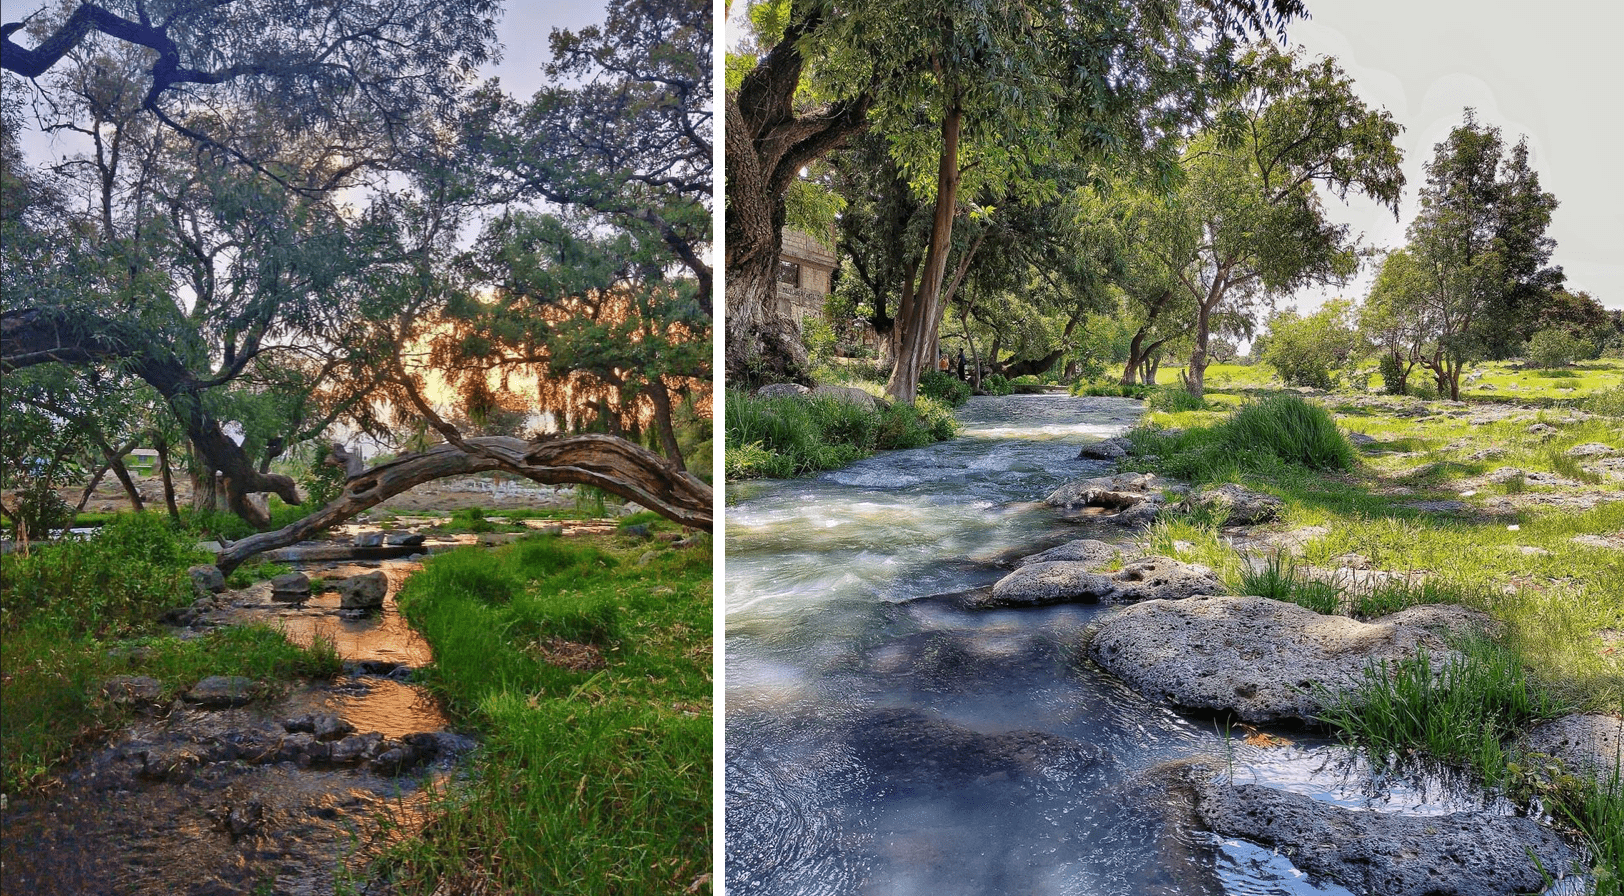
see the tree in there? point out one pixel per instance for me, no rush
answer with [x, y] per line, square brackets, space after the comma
[1476, 252]
[1016, 86]
[1307, 350]
[1248, 223]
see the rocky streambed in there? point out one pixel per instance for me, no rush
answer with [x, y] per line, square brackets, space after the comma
[245, 787]
[954, 670]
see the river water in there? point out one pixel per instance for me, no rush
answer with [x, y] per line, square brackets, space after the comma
[879, 741]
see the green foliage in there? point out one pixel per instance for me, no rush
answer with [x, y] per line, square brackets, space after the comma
[1280, 430]
[944, 387]
[1123, 390]
[996, 384]
[249, 573]
[40, 509]
[569, 754]
[1306, 350]
[1556, 347]
[1392, 372]
[1608, 404]
[1159, 398]
[782, 437]
[118, 580]
[1278, 579]
[1462, 712]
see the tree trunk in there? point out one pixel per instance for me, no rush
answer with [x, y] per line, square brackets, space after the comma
[161, 445]
[601, 461]
[91, 488]
[115, 460]
[1134, 358]
[918, 328]
[662, 424]
[1195, 380]
[964, 321]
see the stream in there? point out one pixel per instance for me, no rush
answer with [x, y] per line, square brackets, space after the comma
[213, 801]
[879, 741]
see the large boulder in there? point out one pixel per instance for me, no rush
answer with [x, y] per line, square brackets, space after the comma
[363, 592]
[1233, 505]
[1462, 854]
[1114, 448]
[291, 588]
[1263, 660]
[1129, 499]
[207, 579]
[782, 390]
[1053, 582]
[850, 395]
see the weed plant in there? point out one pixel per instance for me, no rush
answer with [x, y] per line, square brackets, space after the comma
[946, 388]
[591, 779]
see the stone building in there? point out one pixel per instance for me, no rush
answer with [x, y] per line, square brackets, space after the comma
[805, 271]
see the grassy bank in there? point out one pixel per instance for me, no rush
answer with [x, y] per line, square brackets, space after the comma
[1492, 513]
[777, 438]
[585, 666]
[74, 614]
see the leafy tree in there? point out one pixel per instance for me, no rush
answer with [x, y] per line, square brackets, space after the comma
[1476, 253]
[1307, 350]
[1248, 223]
[1556, 348]
[1014, 86]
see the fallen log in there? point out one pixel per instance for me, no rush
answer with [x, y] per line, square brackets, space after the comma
[607, 462]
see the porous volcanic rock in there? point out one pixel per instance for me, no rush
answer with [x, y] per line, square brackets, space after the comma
[1461, 854]
[1128, 499]
[850, 395]
[218, 691]
[1091, 551]
[1151, 578]
[1238, 506]
[1588, 744]
[1264, 660]
[782, 390]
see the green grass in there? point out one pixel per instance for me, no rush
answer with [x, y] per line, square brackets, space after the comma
[589, 780]
[1263, 436]
[778, 438]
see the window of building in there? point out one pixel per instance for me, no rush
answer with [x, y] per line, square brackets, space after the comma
[789, 272]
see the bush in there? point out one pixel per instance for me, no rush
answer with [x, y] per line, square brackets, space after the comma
[40, 509]
[1556, 347]
[1174, 400]
[1609, 403]
[121, 579]
[783, 437]
[1113, 390]
[1306, 349]
[1392, 370]
[944, 387]
[996, 384]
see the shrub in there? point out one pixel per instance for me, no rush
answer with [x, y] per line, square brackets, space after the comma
[1174, 400]
[1393, 377]
[120, 579]
[1556, 347]
[996, 384]
[1609, 403]
[1306, 349]
[40, 509]
[944, 387]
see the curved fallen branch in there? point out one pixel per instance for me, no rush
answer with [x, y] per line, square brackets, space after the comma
[612, 464]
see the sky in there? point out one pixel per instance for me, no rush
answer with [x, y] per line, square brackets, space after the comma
[1550, 70]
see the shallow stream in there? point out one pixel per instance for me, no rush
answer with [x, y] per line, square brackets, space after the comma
[881, 742]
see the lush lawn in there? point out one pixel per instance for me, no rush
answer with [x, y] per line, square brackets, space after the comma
[584, 665]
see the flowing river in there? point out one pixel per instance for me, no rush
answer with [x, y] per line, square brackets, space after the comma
[882, 742]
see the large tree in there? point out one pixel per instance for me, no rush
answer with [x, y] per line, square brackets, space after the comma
[1477, 253]
[1013, 86]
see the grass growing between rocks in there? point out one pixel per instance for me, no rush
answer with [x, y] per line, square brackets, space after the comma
[587, 673]
[777, 438]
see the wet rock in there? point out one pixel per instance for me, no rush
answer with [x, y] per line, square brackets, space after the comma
[1153, 578]
[1588, 744]
[404, 539]
[1117, 492]
[323, 726]
[219, 691]
[910, 750]
[133, 690]
[206, 579]
[291, 588]
[1038, 584]
[1110, 449]
[368, 539]
[441, 744]
[1083, 550]
[363, 592]
[1263, 660]
[782, 390]
[1234, 505]
[1462, 854]
[356, 747]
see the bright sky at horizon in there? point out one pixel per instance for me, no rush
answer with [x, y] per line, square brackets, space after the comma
[1550, 71]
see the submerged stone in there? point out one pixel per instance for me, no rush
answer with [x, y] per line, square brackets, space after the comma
[1151, 578]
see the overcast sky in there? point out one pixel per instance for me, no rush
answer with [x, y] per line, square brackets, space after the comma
[1550, 70]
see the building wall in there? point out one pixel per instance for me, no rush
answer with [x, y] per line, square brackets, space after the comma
[802, 288]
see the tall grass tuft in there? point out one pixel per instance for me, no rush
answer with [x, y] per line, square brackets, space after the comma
[1461, 713]
[1279, 580]
[1280, 431]
[788, 436]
